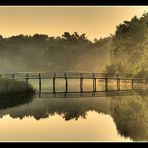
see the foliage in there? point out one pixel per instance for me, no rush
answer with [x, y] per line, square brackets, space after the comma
[11, 87]
[129, 51]
[40, 52]
[130, 114]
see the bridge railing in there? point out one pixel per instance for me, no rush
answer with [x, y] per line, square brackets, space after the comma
[44, 75]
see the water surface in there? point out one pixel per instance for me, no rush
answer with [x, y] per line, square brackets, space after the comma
[112, 116]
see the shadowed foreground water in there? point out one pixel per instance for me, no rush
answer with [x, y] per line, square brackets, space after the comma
[108, 118]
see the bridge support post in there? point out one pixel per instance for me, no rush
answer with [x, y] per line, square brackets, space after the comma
[13, 76]
[106, 82]
[81, 82]
[27, 77]
[145, 83]
[40, 83]
[132, 84]
[118, 82]
[94, 83]
[66, 83]
[54, 83]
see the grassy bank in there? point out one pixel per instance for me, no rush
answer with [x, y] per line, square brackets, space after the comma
[11, 87]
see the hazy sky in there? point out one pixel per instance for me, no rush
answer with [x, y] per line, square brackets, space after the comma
[96, 22]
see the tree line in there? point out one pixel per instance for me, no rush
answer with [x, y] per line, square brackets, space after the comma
[40, 52]
[125, 51]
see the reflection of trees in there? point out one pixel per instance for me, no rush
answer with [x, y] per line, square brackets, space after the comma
[11, 101]
[75, 115]
[67, 108]
[131, 116]
[130, 113]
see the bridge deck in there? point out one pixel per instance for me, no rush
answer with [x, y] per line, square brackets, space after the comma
[71, 75]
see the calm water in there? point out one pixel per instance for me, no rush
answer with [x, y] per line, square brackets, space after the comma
[106, 118]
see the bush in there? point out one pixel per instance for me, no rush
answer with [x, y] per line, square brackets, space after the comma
[9, 87]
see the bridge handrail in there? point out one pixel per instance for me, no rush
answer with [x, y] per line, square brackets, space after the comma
[74, 74]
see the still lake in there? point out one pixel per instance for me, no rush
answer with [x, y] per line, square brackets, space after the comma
[87, 117]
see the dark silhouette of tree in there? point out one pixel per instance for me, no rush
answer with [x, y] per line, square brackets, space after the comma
[1, 37]
[40, 37]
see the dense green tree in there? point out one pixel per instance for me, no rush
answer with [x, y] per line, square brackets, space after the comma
[129, 50]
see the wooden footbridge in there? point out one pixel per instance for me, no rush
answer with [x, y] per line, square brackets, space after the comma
[77, 76]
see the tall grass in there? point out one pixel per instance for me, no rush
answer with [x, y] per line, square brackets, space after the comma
[11, 87]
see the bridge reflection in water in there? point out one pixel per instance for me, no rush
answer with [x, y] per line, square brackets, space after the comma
[93, 94]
